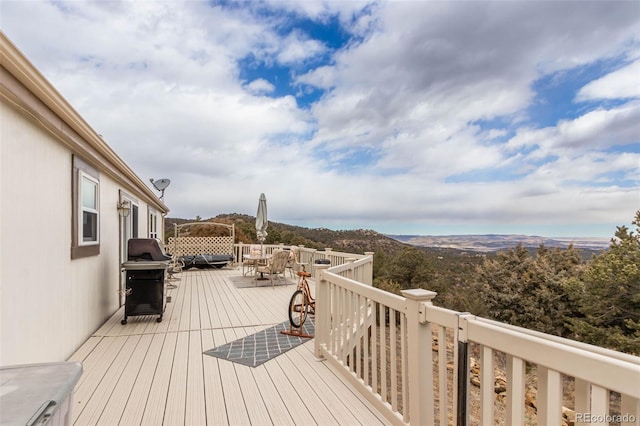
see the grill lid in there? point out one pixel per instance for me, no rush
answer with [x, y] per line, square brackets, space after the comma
[145, 249]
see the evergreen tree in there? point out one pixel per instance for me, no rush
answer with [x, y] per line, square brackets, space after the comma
[410, 268]
[520, 289]
[608, 295]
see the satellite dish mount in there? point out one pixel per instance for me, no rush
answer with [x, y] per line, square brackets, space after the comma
[160, 185]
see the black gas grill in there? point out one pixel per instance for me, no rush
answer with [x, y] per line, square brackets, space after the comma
[145, 286]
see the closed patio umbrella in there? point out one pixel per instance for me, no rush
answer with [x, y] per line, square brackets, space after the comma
[261, 220]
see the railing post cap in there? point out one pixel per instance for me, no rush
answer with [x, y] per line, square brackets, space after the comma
[419, 294]
[321, 266]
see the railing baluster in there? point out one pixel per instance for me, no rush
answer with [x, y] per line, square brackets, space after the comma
[374, 346]
[454, 373]
[549, 397]
[599, 406]
[487, 379]
[404, 376]
[332, 335]
[394, 357]
[345, 327]
[582, 394]
[365, 347]
[515, 391]
[442, 375]
[429, 395]
[630, 407]
[383, 351]
[358, 334]
[335, 318]
[349, 335]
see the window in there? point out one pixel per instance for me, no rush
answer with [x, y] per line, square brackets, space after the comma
[153, 224]
[134, 221]
[88, 210]
[85, 200]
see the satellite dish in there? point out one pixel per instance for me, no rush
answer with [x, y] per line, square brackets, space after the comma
[160, 185]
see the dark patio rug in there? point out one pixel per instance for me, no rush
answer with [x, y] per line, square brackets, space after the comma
[262, 346]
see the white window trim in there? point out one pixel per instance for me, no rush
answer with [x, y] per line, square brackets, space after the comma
[81, 209]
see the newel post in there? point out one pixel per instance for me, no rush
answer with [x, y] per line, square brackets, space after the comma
[419, 357]
[323, 316]
[367, 277]
[349, 261]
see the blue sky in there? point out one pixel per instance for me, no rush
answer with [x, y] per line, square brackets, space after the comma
[406, 117]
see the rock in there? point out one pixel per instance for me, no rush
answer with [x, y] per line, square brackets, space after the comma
[475, 380]
[568, 414]
[530, 397]
[474, 366]
[500, 385]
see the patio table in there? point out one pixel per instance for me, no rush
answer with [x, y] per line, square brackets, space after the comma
[255, 260]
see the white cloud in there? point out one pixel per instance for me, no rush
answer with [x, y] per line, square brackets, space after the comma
[259, 86]
[429, 91]
[595, 130]
[620, 84]
[322, 77]
[297, 48]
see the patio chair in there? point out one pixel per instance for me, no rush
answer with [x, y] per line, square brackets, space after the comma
[275, 267]
[291, 262]
[248, 266]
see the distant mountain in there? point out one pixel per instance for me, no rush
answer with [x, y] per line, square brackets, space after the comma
[362, 240]
[494, 242]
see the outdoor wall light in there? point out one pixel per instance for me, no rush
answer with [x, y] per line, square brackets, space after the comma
[124, 208]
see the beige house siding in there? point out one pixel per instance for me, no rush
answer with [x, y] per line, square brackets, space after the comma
[49, 302]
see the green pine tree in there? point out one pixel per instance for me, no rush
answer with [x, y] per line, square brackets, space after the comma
[608, 295]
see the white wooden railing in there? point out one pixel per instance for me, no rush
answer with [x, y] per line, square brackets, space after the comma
[411, 359]
[362, 270]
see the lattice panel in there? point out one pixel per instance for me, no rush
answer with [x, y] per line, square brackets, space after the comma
[186, 246]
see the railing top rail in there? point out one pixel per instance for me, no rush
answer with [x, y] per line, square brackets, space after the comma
[375, 294]
[356, 263]
[563, 341]
[342, 254]
[605, 371]
[441, 316]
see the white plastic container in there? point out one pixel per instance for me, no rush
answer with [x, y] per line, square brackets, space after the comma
[38, 394]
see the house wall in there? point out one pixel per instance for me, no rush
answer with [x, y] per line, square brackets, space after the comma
[50, 303]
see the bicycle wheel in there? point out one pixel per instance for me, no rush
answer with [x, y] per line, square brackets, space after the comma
[298, 309]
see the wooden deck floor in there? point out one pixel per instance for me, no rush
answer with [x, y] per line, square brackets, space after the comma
[156, 373]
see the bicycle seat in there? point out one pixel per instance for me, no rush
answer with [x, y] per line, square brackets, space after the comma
[304, 274]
